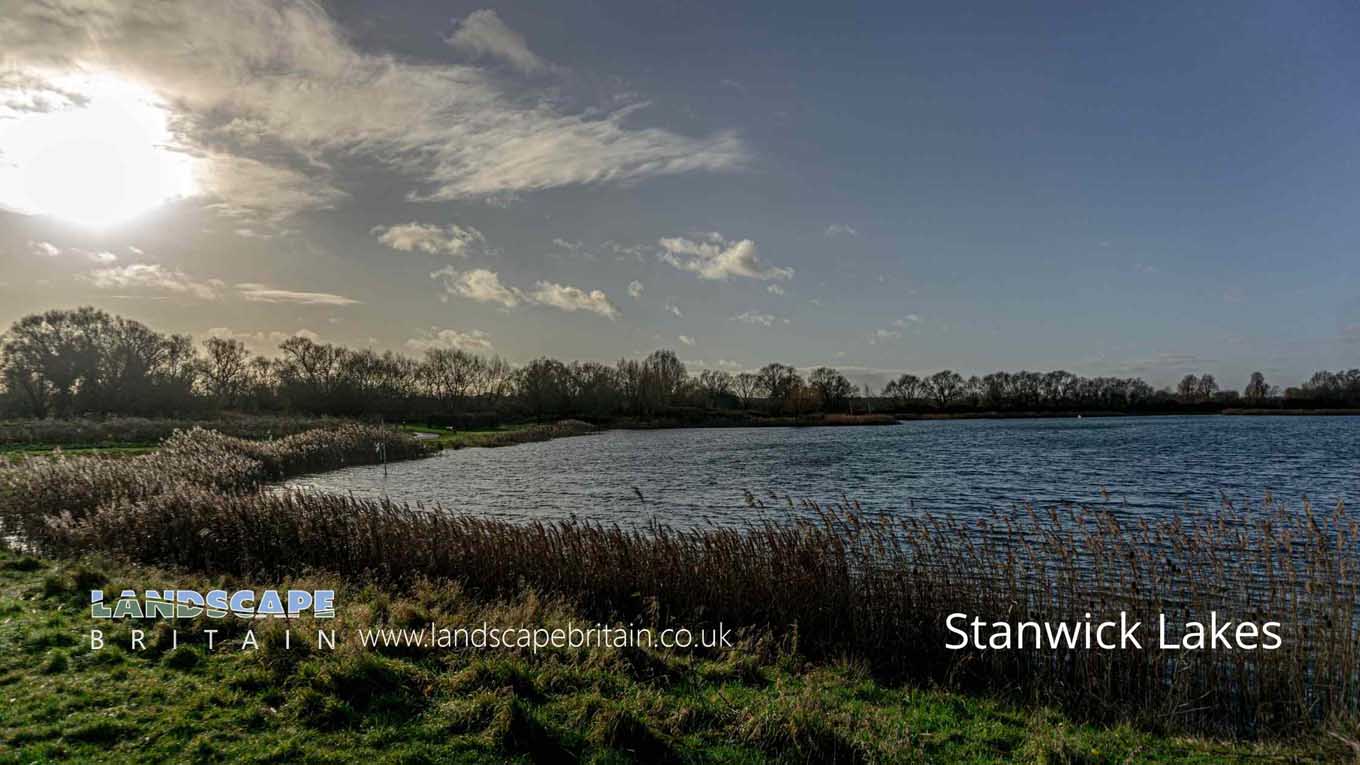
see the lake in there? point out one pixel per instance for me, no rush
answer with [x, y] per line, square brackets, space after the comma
[1148, 465]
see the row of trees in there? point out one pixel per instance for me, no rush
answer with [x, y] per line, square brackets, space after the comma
[63, 363]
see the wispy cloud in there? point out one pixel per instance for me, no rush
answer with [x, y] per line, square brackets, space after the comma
[754, 317]
[840, 229]
[153, 276]
[635, 289]
[277, 100]
[482, 34]
[52, 251]
[714, 257]
[263, 293]
[686, 339]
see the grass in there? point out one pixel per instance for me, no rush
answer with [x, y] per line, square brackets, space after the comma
[759, 703]
[16, 453]
[501, 435]
[90, 433]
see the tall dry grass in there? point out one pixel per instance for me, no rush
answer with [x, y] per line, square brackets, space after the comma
[842, 583]
[45, 490]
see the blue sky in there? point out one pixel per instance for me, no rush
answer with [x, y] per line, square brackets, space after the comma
[1144, 189]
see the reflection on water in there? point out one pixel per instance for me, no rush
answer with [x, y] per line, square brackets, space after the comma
[1148, 465]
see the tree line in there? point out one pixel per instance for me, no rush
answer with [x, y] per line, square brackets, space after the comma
[65, 363]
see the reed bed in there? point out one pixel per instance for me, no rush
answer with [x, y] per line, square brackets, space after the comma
[831, 581]
[44, 490]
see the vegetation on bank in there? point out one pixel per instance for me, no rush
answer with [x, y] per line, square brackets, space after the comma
[505, 435]
[835, 581]
[760, 702]
[67, 363]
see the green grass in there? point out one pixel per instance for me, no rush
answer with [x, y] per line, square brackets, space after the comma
[500, 435]
[760, 703]
[445, 438]
[20, 452]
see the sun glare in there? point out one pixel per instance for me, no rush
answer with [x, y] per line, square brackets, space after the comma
[103, 160]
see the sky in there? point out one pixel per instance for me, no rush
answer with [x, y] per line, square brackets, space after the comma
[1148, 189]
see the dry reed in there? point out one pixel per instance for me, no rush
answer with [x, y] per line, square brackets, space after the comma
[837, 581]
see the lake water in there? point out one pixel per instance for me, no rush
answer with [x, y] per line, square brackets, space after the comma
[1148, 465]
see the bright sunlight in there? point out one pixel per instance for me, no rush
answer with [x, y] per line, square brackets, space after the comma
[101, 160]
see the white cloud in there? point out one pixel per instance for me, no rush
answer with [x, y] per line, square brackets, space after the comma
[478, 284]
[275, 98]
[154, 277]
[263, 293]
[573, 299]
[841, 229]
[577, 249]
[264, 342]
[103, 257]
[895, 333]
[674, 310]
[713, 257]
[775, 289]
[45, 248]
[635, 289]
[485, 287]
[472, 340]
[248, 189]
[752, 317]
[482, 34]
[686, 339]
[436, 240]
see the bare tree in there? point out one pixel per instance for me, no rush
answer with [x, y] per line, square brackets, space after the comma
[831, 387]
[225, 369]
[944, 386]
[747, 387]
[714, 384]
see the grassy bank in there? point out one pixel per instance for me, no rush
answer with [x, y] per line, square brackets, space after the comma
[876, 589]
[757, 703]
[503, 435]
[836, 585]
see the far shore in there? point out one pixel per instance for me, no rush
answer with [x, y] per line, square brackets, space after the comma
[1085, 414]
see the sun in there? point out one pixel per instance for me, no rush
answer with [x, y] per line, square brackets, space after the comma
[103, 158]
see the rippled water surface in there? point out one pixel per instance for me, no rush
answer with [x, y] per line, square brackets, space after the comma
[1148, 465]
